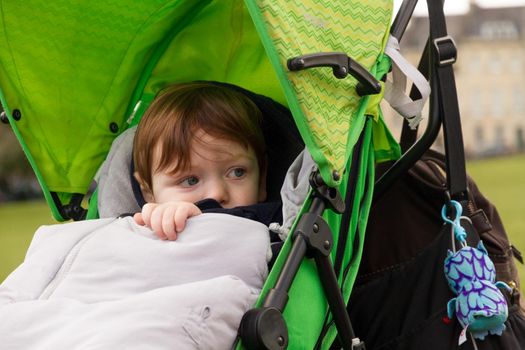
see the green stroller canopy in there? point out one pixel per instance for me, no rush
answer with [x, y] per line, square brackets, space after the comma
[75, 74]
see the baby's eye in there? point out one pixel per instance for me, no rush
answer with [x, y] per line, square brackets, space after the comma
[189, 181]
[237, 173]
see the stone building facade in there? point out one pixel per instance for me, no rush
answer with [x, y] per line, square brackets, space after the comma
[490, 77]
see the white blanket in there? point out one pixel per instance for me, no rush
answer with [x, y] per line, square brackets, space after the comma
[111, 284]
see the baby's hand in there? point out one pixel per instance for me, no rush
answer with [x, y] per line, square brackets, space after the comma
[166, 219]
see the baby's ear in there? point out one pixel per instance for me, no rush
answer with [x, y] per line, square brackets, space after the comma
[144, 188]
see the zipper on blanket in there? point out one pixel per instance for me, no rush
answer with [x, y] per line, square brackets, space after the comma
[63, 270]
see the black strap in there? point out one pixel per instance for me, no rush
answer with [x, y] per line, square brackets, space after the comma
[443, 56]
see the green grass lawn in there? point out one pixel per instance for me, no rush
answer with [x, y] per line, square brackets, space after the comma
[500, 179]
[18, 223]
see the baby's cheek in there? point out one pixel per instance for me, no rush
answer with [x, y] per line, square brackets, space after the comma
[190, 196]
[248, 196]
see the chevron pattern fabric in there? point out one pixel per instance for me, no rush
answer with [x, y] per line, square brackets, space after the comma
[328, 105]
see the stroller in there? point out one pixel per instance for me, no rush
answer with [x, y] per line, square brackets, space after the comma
[75, 75]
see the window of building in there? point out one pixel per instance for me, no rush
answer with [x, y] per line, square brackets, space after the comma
[520, 140]
[479, 136]
[499, 136]
[515, 65]
[505, 29]
[497, 105]
[476, 109]
[475, 64]
[495, 64]
[518, 101]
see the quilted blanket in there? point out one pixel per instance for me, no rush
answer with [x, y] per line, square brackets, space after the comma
[111, 284]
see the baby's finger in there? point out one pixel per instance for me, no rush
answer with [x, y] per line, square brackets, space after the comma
[194, 211]
[181, 215]
[156, 220]
[147, 210]
[168, 223]
[138, 219]
[161, 235]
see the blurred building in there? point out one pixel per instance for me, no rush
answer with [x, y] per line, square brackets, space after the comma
[489, 76]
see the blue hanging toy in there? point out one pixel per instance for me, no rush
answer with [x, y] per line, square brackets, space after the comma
[479, 306]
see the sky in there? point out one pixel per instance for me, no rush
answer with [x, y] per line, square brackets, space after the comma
[456, 7]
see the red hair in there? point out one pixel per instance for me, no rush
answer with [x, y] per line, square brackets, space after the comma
[172, 119]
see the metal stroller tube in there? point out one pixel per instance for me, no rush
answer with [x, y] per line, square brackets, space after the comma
[402, 18]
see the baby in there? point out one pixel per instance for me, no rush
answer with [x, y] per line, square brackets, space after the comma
[197, 141]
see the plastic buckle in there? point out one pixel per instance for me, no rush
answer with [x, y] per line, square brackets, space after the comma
[446, 50]
[357, 344]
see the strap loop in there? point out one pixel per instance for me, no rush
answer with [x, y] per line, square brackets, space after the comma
[395, 89]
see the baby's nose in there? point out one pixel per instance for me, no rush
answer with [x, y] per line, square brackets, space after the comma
[219, 192]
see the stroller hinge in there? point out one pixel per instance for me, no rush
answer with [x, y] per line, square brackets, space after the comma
[73, 210]
[316, 233]
[265, 327]
[331, 197]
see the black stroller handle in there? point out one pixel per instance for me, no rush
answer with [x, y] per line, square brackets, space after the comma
[341, 65]
[412, 147]
[436, 61]
[403, 16]
[414, 153]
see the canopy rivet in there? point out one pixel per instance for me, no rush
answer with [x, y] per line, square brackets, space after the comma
[335, 175]
[113, 127]
[17, 115]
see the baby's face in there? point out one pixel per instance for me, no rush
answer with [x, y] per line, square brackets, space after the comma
[219, 169]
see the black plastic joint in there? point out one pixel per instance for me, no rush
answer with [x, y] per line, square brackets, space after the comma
[330, 196]
[264, 329]
[316, 233]
[75, 212]
[446, 51]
